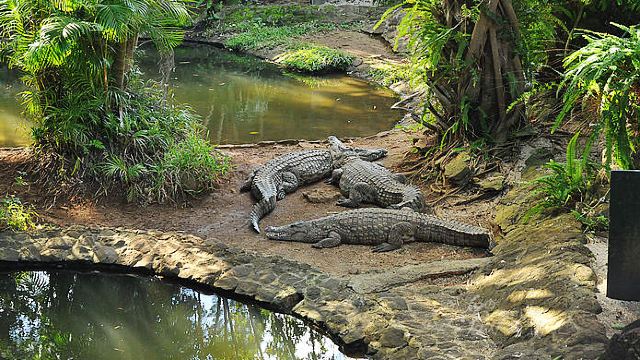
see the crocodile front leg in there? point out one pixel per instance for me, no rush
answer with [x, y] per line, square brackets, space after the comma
[246, 185]
[359, 193]
[399, 234]
[289, 182]
[335, 177]
[333, 240]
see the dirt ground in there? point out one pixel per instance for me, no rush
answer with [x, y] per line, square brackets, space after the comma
[356, 43]
[223, 215]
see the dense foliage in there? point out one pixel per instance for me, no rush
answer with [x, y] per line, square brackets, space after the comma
[604, 75]
[96, 122]
[14, 215]
[475, 58]
[315, 59]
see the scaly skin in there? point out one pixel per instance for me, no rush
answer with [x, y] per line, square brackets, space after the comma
[284, 174]
[385, 229]
[362, 181]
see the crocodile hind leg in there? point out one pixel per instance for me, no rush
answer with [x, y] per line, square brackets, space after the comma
[399, 234]
[332, 240]
[359, 193]
[289, 182]
[400, 178]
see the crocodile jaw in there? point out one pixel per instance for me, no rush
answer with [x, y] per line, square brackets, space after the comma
[291, 232]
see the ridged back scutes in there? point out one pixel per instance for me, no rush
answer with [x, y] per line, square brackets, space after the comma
[379, 215]
[268, 177]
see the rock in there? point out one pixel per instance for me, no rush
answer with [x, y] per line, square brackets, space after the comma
[492, 183]
[8, 254]
[539, 156]
[457, 170]
[626, 344]
[322, 195]
[392, 337]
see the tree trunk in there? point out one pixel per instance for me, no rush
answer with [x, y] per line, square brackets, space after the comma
[492, 50]
[119, 66]
[475, 98]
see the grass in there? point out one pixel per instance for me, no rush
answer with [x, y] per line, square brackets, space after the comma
[16, 216]
[266, 37]
[315, 59]
[387, 73]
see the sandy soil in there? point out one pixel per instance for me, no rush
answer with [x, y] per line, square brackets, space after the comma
[356, 43]
[222, 215]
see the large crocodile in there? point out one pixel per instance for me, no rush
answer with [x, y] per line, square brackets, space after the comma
[361, 181]
[387, 229]
[284, 174]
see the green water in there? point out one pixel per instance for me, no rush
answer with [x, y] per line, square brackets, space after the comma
[14, 131]
[242, 99]
[91, 316]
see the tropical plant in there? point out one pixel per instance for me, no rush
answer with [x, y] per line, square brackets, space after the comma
[477, 57]
[95, 121]
[454, 45]
[568, 181]
[14, 215]
[605, 75]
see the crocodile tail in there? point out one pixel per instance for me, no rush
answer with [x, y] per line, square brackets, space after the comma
[260, 209]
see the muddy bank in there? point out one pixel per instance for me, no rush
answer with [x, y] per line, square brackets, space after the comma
[223, 215]
[351, 30]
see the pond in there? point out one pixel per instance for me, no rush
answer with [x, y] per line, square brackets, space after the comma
[71, 315]
[242, 99]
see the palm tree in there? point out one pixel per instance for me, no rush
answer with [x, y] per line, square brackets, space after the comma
[91, 43]
[94, 124]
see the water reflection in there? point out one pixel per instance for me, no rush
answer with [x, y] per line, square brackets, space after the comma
[243, 99]
[14, 130]
[65, 315]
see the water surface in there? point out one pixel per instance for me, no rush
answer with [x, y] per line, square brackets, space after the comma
[14, 130]
[242, 99]
[67, 315]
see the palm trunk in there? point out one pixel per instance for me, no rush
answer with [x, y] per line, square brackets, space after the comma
[119, 66]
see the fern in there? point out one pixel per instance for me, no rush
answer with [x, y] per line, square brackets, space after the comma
[606, 71]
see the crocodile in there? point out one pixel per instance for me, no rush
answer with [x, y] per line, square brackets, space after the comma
[284, 174]
[386, 229]
[362, 181]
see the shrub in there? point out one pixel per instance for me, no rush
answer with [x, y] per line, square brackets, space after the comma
[16, 216]
[96, 124]
[607, 72]
[315, 59]
[568, 181]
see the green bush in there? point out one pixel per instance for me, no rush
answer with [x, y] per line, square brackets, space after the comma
[16, 216]
[315, 59]
[606, 71]
[160, 154]
[568, 181]
[97, 126]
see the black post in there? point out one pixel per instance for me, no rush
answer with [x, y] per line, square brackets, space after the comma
[623, 279]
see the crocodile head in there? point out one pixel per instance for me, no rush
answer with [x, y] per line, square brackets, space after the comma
[341, 152]
[301, 231]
